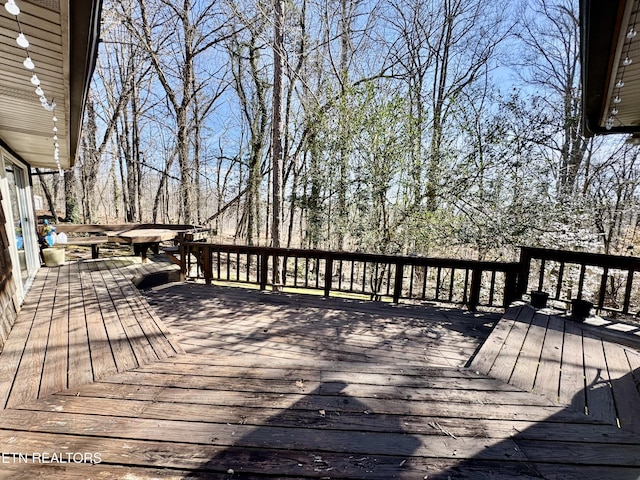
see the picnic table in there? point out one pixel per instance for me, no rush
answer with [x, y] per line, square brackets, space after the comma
[143, 239]
[142, 236]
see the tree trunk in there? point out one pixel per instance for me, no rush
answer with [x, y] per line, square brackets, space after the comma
[47, 194]
[276, 131]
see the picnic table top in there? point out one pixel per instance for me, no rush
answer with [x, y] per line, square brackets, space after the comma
[142, 235]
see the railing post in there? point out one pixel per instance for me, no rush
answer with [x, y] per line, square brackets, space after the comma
[328, 275]
[264, 269]
[474, 295]
[523, 272]
[183, 257]
[206, 264]
[397, 285]
[510, 287]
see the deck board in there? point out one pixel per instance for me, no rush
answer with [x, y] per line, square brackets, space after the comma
[14, 350]
[579, 366]
[547, 379]
[76, 326]
[505, 362]
[526, 367]
[276, 427]
[625, 389]
[599, 394]
[55, 368]
[572, 383]
[251, 385]
[103, 361]
[26, 384]
[80, 369]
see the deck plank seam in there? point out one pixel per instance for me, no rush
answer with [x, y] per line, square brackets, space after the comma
[49, 321]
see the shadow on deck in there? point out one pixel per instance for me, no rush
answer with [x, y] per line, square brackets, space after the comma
[280, 386]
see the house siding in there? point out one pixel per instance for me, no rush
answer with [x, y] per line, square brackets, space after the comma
[8, 296]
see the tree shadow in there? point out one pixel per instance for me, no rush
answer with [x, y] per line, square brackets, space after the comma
[326, 434]
[357, 330]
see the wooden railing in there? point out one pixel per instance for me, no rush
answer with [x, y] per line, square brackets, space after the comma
[375, 277]
[608, 281]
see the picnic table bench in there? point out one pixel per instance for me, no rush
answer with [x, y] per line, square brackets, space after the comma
[142, 237]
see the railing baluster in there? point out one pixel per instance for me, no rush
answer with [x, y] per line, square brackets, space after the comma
[453, 274]
[627, 292]
[492, 287]
[583, 269]
[218, 264]
[237, 266]
[248, 267]
[603, 287]
[438, 279]
[352, 274]
[541, 278]
[465, 297]
[411, 273]
[364, 276]
[560, 280]
[425, 272]
[264, 269]
[285, 261]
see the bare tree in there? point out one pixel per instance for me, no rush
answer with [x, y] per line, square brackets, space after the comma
[550, 61]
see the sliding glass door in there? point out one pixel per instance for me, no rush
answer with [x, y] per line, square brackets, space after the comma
[20, 223]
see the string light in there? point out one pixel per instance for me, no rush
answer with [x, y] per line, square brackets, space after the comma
[28, 63]
[12, 8]
[625, 61]
[22, 41]
[50, 106]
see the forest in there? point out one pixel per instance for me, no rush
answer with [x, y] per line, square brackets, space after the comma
[422, 127]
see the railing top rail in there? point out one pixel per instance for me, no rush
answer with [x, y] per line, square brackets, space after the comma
[365, 257]
[594, 259]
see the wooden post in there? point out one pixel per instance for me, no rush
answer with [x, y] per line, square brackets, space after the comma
[397, 282]
[603, 287]
[264, 269]
[328, 274]
[523, 272]
[510, 287]
[476, 282]
[206, 264]
[183, 257]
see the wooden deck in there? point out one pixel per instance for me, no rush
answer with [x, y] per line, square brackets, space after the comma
[80, 322]
[283, 386]
[571, 363]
